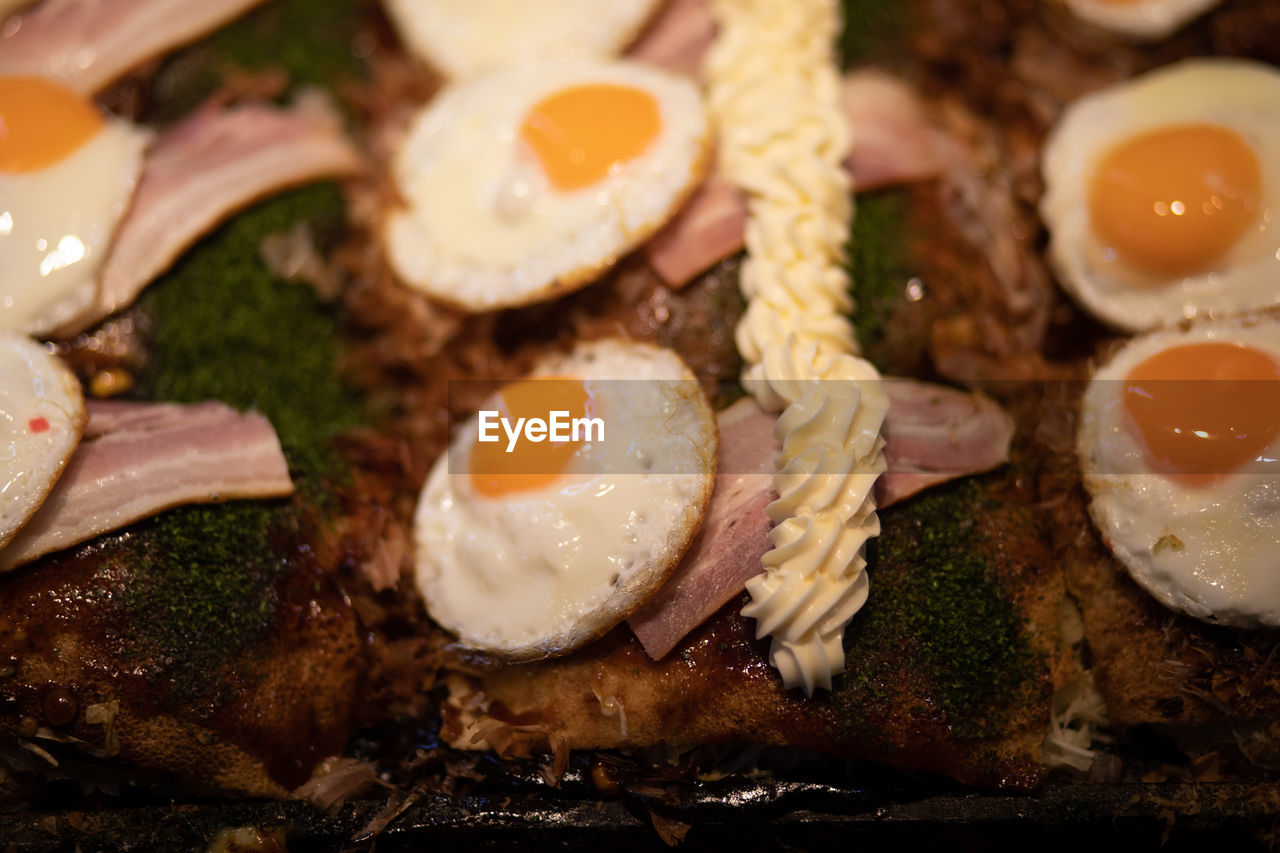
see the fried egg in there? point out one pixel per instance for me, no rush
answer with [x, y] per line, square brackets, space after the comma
[1161, 194]
[42, 415]
[527, 183]
[537, 552]
[1141, 20]
[463, 38]
[67, 175]
[1179, 443]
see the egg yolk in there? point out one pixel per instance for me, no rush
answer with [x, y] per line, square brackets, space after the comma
[531, 465]
[1204, 410]
[578, 135]
[1172, 201]
[41, 123]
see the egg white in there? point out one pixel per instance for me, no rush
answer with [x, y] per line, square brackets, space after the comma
[542, 572]
[463, 38]
[34, 386]
[1238, 94]
[483, 229]
[1140, 20]
[1211, 552]
[56, 226]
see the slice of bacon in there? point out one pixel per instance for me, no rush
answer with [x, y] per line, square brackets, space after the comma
[678, 38]
[137, 459]
[707, 229]
[734, 535]
[710, 226]
[893, 140]
[199, 172]
[89, 44]
[893, 143]
[932, 434]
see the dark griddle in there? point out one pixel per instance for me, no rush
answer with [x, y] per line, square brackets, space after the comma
[724, 815]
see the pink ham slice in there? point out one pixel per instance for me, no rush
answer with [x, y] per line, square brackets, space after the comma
[707, 229]
[678, 38]
[88, 44]
[137, 459]
[893, 140]
[893, 143]
[201, 171]
[734, 535]
[932, 433]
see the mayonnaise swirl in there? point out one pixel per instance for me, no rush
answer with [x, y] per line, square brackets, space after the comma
[773, 88]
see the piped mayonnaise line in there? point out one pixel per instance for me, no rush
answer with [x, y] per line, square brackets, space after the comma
[773, 89]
